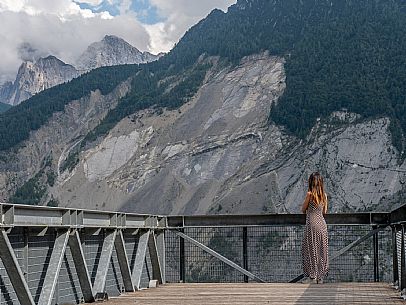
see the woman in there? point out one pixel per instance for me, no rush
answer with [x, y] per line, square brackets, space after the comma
[315, 239]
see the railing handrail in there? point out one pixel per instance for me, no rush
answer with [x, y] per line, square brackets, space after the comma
[16, 215]
[23, 215]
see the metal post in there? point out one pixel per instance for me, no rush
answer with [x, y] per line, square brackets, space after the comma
[376, 255]
[79, 260]
[155, 260]
[14, 272]
[140, 258]
[54, 267]
[245, 251]
[395, 257]
[160, 242]
[25, 253]
[123, 262]
[182, 269]
[104, 262]
[402, 263]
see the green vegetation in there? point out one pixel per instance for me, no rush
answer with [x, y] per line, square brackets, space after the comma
[71, 161]
[53, 202]
[33, 190]
[339, 54]
[30, 192]
[16, 124]
[4, 107]
[149, 90]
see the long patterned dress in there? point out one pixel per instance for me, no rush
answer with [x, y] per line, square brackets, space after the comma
[315, 243]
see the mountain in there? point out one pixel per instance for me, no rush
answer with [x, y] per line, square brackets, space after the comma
[4, 107]
[112, 51]
[33, 77]
[232, 120]
[39, 74]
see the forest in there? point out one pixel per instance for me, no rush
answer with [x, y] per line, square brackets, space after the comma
[339, 54]
[4, 107]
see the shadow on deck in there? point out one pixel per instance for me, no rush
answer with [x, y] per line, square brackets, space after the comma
[254, 293]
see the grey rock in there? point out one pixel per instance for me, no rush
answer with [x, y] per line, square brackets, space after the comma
[37, 74]
[216, 154]
[33, 77]
[111, 51]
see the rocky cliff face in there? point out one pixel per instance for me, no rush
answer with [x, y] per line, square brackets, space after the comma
[43, 73]
[33, 77]
[47, 147]
[112, 51]
[216, 154]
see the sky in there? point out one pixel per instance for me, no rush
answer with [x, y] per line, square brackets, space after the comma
[64, 28]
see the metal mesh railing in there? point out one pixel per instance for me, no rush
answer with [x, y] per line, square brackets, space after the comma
[268, 246]
[33, 251]
[274, 254]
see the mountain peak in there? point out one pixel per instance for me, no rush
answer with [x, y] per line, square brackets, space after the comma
[111, 51]
[35, 76]
[112, 38]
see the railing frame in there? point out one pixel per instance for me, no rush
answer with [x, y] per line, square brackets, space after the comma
[151, 231]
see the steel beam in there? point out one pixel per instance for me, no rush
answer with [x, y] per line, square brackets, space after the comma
[157, 272]
[123, 262]
[274, 219]
[79, 260]
[104, 262]
[14, 271]
[220, 257]
[28, 215]
[54, 266]
[140, 258]
[399, 215]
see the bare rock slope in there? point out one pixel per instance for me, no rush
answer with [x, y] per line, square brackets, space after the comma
[33, 77]
[216, 154]
[111, 51]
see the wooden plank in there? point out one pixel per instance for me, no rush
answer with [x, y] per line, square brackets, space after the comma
[258, 293]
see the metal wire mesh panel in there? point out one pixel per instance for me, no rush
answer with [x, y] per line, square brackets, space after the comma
[357, 264]
[399, 253]
[202, 267]
[92, 248]
[172, 265]
[7, 293]
[385, 255]
[274, 252]
[131, 244]
[114, 282]
[146, 275]
[68, 287]
[39, 253]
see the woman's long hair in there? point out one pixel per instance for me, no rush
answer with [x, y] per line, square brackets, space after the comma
[316, 187]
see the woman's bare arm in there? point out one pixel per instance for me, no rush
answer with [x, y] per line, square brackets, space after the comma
[306, 202]
[325, 206]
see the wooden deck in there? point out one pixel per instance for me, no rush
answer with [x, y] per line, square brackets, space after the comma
[244, 294]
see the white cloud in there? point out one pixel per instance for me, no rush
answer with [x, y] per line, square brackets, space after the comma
[180, 15]
[92, 2]
[62, 28]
